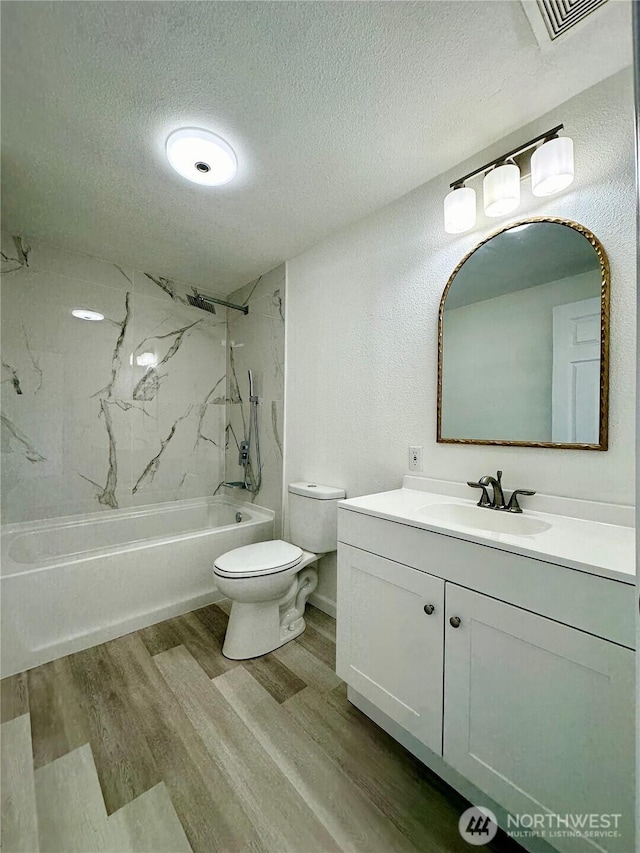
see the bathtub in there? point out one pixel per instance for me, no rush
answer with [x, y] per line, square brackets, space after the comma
[70, 583]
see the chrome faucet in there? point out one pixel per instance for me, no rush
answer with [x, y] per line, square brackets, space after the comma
[497, 500]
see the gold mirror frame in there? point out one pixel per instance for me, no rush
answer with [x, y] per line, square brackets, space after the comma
[603, 443]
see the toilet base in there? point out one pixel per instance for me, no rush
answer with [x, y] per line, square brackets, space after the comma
[257, 628]
[242, 644]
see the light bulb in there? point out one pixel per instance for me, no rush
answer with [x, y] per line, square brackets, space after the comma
[501, 190]
[201, 156]
[459, 210]
[552, 166]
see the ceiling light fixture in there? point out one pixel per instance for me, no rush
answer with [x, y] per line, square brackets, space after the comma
[551, 170]
[201, 156]
[86, 314]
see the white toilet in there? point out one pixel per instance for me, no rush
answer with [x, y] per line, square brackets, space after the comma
[268, 583]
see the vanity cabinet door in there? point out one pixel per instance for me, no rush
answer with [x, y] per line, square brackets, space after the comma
[540, 715]
[390, 640]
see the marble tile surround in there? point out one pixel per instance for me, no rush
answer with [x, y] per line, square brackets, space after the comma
[256, 342]
[98, 415]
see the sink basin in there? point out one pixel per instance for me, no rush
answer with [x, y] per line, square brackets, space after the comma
[480, 518]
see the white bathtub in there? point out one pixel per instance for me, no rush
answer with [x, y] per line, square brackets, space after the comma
[69, 583]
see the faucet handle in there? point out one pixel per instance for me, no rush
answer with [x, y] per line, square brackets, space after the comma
[513, 505]
[484, 498]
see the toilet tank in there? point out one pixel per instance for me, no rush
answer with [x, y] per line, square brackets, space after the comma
[313, 516]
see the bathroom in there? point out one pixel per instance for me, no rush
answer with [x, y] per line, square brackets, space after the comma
[163, 690]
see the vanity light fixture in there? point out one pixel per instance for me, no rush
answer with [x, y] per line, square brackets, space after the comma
[460, 210]
[86, 314]
[501, 190]
[201, 156]
[551, 168]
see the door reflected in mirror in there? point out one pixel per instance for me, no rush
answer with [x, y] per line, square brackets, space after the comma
[523, 340]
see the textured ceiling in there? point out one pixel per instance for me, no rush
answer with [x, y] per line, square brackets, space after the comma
[334, 109]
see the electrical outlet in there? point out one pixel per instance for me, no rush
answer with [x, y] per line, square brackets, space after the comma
[415, 459]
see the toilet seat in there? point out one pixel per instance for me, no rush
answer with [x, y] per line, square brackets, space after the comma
[262, 558]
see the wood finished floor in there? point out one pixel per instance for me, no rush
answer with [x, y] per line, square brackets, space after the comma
[156, 742]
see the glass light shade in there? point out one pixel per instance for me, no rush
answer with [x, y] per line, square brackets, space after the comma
[460, 210]
[501, 190]
[552, 166]
[201, 156]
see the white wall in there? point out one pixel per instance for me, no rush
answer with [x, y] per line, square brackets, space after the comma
[497, 361]
[362, 327]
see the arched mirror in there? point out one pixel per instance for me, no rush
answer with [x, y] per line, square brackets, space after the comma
[523, 340]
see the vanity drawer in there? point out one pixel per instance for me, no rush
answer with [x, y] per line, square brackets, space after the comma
[600, 606]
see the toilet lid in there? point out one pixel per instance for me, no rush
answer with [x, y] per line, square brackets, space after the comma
[263, 558]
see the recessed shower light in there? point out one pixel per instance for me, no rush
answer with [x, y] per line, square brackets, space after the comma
[201, 156]
[86, 314]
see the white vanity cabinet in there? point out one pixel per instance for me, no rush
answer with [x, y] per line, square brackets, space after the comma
[537, 714]
[518, 676]
[390, 640]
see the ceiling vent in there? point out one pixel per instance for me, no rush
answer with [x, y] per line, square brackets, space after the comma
[551, 19]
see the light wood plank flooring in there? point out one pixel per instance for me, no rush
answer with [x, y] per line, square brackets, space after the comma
[156, 742]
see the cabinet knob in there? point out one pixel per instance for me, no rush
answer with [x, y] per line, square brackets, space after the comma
[455, 621]
[428, 609]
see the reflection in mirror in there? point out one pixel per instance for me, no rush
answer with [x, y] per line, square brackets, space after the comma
[523, 340]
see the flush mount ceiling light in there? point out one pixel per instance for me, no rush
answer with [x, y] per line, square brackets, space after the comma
[551, 170]
[86, 314]
[201, 156]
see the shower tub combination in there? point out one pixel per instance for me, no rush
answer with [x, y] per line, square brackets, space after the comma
[71, 583]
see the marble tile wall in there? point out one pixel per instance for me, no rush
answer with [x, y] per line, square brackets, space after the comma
[100, 415]
[256, 342]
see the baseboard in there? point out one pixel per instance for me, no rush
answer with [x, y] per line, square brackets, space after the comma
[324, 603]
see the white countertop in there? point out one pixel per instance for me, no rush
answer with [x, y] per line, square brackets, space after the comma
[590, 546]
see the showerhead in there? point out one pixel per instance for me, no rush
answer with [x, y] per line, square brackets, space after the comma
[201, 302]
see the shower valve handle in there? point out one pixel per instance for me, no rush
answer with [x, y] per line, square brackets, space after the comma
[243, 455]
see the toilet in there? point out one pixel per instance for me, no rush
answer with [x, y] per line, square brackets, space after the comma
[269, 583]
